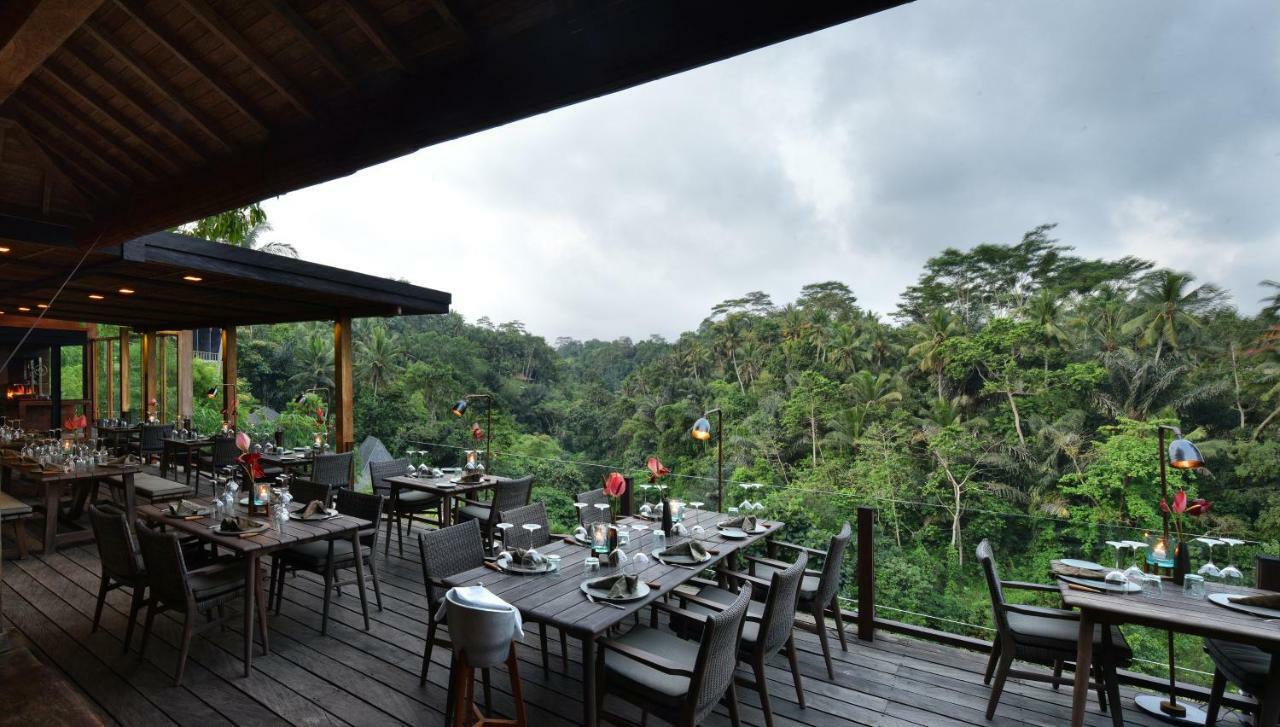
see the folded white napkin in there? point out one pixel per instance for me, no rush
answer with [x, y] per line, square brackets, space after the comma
[481, 598]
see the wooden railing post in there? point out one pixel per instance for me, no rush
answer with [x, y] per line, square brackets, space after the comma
[866, 574]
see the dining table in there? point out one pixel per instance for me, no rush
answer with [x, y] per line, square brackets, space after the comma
[1174, 611]
[446, 487]
[251, 549]
[291, 461]
[556, 599]
[52, 485]
[182, 449]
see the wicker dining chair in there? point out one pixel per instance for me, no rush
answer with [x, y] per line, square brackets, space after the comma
[122, 565]
[222, 454]
[1046, 636]
[151, 443]
[536, 514]
[769, 627]
[445, 552]
[507, 495]
[326, 557]
[407, 504]
[333, 469]
[591, 513]
[680, 681]
[195, 592]
[306, 492]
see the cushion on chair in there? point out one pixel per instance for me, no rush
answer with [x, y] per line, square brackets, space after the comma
[157, 489]
[1245, 666]
[623, 672]
[217, 583]
[312, 556]
[808, 587]
[473, 512]
[415, 498]
[1059, 634]
[11, 508]
[750, 629]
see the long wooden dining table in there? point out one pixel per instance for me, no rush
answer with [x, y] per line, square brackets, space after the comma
[556, 599]
[53, 485]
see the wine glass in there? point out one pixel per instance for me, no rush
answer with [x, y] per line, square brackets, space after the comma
[1231, 575]
[1209, 570]
[1117, 545]
[582, 508]
[506, 541]
[531, 528]
[659, 542]
[1134, 573]
[639, 562]
[645, 508]
[640, 529]
[602, 515]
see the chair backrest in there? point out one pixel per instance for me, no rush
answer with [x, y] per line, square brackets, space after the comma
[591, 513]
[224, 452]
[333, 469]
[534, 514]
[780, 607]
[833, 565]
[717, 656]
[449, 551]
[305, 491]
[483, 636]
[988, 561]
[508, 495]
[152, 434]
[117, 548]
[364, 506]
[380, 471]
[166, 568]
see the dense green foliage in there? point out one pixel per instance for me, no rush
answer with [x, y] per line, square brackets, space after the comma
[1013, 396]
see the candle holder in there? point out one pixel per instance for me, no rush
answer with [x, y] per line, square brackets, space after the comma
[259, 498]
[600, 537]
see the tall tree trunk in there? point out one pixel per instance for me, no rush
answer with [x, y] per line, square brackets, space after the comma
[813, 435]
[1258, 432]
[1017, 419]
[733, 356]
[1235, 376]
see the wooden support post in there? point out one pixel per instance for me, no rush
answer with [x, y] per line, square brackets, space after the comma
[148, 376]
[344, 392]
[125, 394]
[91, 391]
[162, 377]
[229, 374]
[866, 574]
[186, 382]
[110, 378]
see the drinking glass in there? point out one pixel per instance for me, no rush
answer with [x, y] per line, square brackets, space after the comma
[580, 533]
[590, 568]
[640, 529]
[624, 536]
[506, 541]
[695, 506]
[1153, 586]
[553, 562]
[1134, 572]
[1117, 545]
[1231, 575]
[639, 562]
[1116, 581]
[645, 508]
[659, 542]
[1209, 570]
[530, 528]
[582, 506]
[603, 516]
[1193, 586]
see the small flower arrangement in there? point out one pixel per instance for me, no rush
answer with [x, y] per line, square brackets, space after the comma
[1182, 508]
[615, 486]
[250, 462]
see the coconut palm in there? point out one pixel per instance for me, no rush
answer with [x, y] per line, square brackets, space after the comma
[1272, 307]
[1167, 305]
[377, 358]
[315, 364]
[931, 332]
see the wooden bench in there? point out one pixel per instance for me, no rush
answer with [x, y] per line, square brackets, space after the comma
[34, 694]
[14, 512]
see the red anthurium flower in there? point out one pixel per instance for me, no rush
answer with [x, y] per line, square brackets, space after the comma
[1164, 506]
[476, 432]
[1198, 507]
[656, 470]
[82, 421]
[252, 462]
[615, 485]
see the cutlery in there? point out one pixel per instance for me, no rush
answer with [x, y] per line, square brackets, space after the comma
[1086, 589]
[592, 599]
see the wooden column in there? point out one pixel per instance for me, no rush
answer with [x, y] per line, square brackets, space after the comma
[866, 574]
[110, 378]
[125, 394]
[186, 382]
[229, 373]
[91, 391]
[148, 374]
[343, 413]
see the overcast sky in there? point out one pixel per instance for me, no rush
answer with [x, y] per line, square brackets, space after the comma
[1149, 128]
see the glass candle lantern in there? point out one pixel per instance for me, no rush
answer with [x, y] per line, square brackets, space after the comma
[600, 537]
[318, 440]
[677, 510]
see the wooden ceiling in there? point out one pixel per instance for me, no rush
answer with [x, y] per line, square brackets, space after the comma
[175, 282]
[122, 117]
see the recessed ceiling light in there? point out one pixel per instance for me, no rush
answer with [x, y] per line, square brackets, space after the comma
[95, 296]
[125, 291]
[24, 309]
[4, 249]
[41, 305]
[192, 278]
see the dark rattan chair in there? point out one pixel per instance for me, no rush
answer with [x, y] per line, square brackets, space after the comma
[820, 590]
[445, 552]
[306, 491]
[333, 469]
[223, 454]
[680, 681]
[326, 557]
[768, 628]
[174, 588]
[591, 513]
[122, 565]
[151, 443]
[1045, 636]
[507, 495]
[407, 503]
[534, 514]
[1245, 666]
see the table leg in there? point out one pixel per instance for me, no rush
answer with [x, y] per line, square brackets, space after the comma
[446, 511]
[1269, 708]
[130, 497]
[364, 598]
[1084, 659]
[589, 707]
[250, 591]
[395, 493]
[52, 497]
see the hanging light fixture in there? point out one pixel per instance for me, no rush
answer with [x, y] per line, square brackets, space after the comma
[701, 431]
[459, 408]
[1183, 454]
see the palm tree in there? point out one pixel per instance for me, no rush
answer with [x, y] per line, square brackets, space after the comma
[377, 358]
[1167, 304]
[870, 393]
[1272, 308]
[730, 340]
[315, 364]
[1105, 317]
[1045, 311]
[931, 332]
[843, 350]
[252, 241]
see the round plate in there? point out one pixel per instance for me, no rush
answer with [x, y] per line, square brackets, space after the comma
[734, 534]
[642, 590]
[315, 516]
[760, 529]
[1102, 585]
[522, 571]
[679, 559]
[1225, 600]
[1083, 564]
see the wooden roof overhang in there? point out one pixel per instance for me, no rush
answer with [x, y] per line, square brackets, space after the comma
[121, 117]
[236, 286]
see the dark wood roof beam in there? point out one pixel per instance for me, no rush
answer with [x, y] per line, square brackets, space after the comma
[72, 140]
[190, 60]
[30, 32]
[88, 71]
[99, 105]
[104, 138]
[158, 83]
[323, 50]
[250, 54]
[86, 182]
[53, 281]
[373, 28]
[450, 18]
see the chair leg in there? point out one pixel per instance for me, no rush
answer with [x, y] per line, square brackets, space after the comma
[426, 650]
[762, 687]
[146, 627]
[188, 626]
[564, 652]
[1002, 673]
[1215, 698]
[373, 575]
[542, 644]
[135, 606]
[1099, 686]
[102, 598]
[517, 688]
[732, 695]
[820, 622]
[1113, 690]
[1057, 672]
[399, 535]
[328, 595]
[795, 669]
[992, 661]
[835, 613]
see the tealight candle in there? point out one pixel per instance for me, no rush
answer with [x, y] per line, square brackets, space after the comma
[677, 510]
[319, 439]
[600, 537]
[264, 493]
[1159, 551]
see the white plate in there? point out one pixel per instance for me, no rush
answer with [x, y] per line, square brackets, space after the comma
[642, 590]
[734, 534]
[1085, 564]
[1102, 585]
[1226, 601]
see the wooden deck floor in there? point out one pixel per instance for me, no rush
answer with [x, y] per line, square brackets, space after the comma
[367, 678]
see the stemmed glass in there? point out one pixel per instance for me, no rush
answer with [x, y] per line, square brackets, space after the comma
[697, 530]
[1209, 570]
[582, 507]
[1231, 575]
[531, 528]
[603, 508]
[645, 508]
[506, 541]
[1119, 574]
[1134, 573]
[640, 529]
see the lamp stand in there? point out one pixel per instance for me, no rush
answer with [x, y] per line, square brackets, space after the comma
[719, 459]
